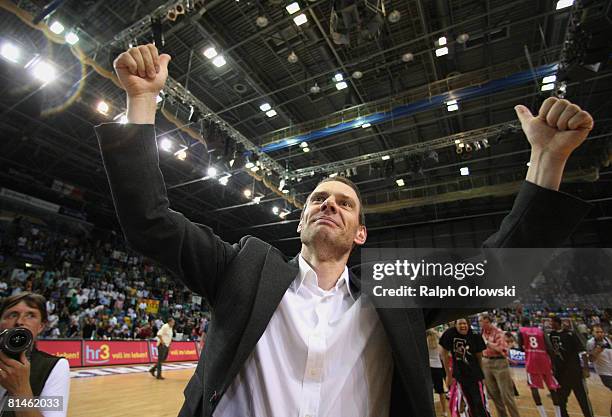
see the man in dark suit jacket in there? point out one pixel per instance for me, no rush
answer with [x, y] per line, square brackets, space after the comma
[291, 337]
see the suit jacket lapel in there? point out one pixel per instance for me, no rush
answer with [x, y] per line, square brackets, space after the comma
[276, 276]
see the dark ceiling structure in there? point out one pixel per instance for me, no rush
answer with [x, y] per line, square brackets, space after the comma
[411, 99]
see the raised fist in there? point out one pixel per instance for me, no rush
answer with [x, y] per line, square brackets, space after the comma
[558, 129]
[142, 72]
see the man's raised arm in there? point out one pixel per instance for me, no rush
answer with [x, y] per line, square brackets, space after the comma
[129, 152]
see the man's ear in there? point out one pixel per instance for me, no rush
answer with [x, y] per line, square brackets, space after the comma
[361, 236]
[299, 226]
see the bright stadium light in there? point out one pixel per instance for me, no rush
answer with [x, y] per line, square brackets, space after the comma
[219, 61]
[293, 7]
[265, 107]
[166, 144]
[300, 19]
[210, 52]
[103, 107]
[43, 71]
[56, 27]
[10, 52]
[72, 38]
[441, 51]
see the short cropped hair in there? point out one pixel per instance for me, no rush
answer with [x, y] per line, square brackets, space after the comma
[351, 184]
[32, 300]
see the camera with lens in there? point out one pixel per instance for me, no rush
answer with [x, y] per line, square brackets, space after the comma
[14, 341]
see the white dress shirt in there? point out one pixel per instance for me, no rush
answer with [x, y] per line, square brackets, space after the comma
[323, 354]
[57, 384]
[165, 334]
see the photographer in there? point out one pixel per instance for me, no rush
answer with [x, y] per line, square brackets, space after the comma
[35, 374]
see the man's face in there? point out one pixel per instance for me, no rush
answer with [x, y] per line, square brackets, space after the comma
[22, 315]
[462, 326]
[555, 325]
[598, 333]
[331, 218]
[171, 323]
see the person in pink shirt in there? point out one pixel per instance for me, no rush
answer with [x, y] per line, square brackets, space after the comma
[496, 368]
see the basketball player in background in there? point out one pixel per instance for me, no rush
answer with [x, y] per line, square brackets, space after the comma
[538, 365]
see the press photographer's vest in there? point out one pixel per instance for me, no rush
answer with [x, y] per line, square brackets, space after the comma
[41, 365]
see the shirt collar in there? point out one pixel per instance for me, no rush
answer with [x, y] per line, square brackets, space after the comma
[307, 274]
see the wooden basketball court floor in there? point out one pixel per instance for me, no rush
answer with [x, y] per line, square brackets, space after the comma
[139, 394]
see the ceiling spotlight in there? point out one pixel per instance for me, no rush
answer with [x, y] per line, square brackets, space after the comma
[56, 27]
[292, 58]
[400, 182]
[247, 193]
[293, 7]
[265, 107]
[341, 85]
[257, 199]
[465, 171]
[285, 191]
[385, 157]
[271, 113]
[303, 145]
[10, 52]
[248, 164]
[442, 41]
[254, 168]
[451, 102]
[441, 51]
[366, 125]
[453, 107]
[338, 77]
[212, 172]
[562, 4]
[43, 71]
[300, 19]
[275, 210]
[210, 52]
[357, 75]
[306, 150]
[333, 174]
[394, 16]
[284, 213]
[549, 79]
[408, 57]
[219, 61]
[261, 21]
[166, 144]
[281, 184]
[103, 107]
[463, 38]
[181, 155]
[223, 180]
[548, 87]
[72, 38]
[315, 89]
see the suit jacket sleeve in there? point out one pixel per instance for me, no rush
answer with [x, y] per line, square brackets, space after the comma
[540, 218]
[190, 251]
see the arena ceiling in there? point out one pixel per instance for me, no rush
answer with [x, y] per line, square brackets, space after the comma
[391, 130]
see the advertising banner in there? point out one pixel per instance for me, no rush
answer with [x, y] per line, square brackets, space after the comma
[96, 353]
[179, 351]
[69, 349]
